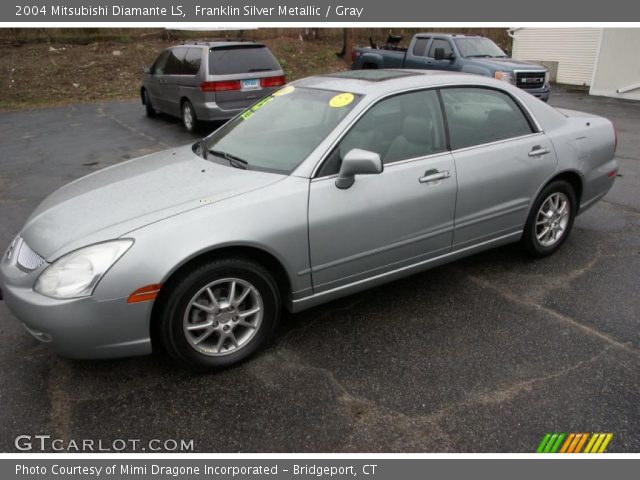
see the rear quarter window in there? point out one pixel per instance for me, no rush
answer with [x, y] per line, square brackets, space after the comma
[244, 59]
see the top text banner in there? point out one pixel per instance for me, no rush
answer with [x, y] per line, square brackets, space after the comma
[320, 11]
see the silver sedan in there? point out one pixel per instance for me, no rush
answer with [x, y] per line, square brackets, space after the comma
[329, 186]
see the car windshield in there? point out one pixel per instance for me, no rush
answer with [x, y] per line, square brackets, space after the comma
[280, 131]
[479, 47]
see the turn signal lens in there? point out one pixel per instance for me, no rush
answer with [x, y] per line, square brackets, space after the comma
[144, 294]
[273, 81]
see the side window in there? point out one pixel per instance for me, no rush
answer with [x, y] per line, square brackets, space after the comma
[439, 43]
[192, 61]
[158, 67]
[479, 115]
[398, 128]
[420, 47]
[174, 62]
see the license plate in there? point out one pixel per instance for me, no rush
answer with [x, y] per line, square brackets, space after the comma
[250, 84]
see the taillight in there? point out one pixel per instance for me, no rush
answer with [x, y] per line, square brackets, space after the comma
[221, 86]
[353, 55]
[273, 81]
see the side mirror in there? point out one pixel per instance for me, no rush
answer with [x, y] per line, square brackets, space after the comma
[451, 57]
[357, 162]
[146, 69]
[438, 53]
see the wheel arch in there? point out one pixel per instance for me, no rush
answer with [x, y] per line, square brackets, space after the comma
[142, 99]
[250, 252]
[574, 179]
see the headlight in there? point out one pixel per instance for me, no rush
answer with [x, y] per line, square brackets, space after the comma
[505, 77]
[77, 273]
[546, 77]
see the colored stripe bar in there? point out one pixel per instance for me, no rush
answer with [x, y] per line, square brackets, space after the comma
[582, 442]
[543, 443]
[567, 442]
[592, 440]
[556, 446]
[606, 441]
[551, 443]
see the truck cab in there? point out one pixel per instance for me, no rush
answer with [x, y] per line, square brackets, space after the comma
[460, 53]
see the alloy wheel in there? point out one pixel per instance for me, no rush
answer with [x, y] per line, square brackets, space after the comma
[222, 317]
[552, 219]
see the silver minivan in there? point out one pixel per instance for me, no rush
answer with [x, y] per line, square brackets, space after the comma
[209, 81]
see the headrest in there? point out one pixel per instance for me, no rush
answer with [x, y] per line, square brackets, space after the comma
[417, 129]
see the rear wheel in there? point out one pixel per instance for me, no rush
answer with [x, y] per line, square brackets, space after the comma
[189, 118]
[151, 112]
[550, 219]
[218, 314]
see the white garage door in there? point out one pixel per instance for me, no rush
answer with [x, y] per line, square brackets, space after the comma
[574, 49]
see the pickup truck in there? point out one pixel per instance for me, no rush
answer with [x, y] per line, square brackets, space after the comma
[460, 53]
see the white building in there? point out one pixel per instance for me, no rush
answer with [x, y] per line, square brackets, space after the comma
[607, 60]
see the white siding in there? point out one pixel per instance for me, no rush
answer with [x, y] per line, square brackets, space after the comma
[618, 65]
[574, 49]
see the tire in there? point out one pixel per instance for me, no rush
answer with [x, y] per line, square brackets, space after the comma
[212, 348]
[151, 112]
[534, 240]
[189, 118]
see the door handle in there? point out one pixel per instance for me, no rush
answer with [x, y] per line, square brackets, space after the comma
[538, 151]
[434, 176]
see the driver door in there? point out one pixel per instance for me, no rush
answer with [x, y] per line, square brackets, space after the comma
[391, 220]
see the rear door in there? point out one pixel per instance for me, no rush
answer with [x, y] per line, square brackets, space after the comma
[247, 72]
[501, 162]
[394, 219]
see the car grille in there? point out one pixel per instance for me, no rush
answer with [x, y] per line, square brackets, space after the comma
[530, 79]
[27, 258]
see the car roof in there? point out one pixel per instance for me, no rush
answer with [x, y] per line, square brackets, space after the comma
[220, 43]
[398, 80]
[448, 35]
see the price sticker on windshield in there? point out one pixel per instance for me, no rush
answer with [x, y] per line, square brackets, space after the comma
[341, 100]
[284, 91]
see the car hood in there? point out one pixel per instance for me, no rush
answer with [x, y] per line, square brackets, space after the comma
[508, 64]
[111, 202]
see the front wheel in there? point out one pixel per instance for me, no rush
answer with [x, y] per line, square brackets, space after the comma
[218, 314]
[550, 219]
[150, 111]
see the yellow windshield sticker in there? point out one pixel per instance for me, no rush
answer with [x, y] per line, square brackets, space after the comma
[284, 91]
[247, 113]
[341, 100]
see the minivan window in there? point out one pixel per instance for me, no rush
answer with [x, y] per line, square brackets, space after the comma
[480, 115]
[192, 60]
[241, 59]
[280, 131]
[440, 43]
[401, 127]
[174, 62]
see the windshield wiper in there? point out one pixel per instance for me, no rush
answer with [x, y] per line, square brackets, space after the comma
[232, 159]
[483, 55]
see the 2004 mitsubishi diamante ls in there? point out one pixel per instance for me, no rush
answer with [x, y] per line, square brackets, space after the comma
[329, 186]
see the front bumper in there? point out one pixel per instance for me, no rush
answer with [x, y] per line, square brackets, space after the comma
[542, 93]
[77, 328]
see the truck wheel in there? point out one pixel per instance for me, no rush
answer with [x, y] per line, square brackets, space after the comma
[218, 314]
[369, 66]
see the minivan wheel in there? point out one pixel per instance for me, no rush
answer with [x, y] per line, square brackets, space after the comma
[151, 112]
[550, 219]
[219, 313]
[189, 119]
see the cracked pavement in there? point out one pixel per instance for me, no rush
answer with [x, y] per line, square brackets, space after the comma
[483, 355]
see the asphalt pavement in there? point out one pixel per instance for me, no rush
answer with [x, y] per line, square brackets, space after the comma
[483, 355]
